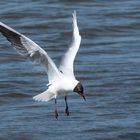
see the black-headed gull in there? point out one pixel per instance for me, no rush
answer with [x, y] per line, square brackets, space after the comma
[61, 80]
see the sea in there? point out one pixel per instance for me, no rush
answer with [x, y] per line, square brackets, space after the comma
[107, 64]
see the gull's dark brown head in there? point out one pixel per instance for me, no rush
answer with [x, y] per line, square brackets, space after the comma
[80, 90]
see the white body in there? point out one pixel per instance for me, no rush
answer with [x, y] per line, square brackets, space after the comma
[60, 86]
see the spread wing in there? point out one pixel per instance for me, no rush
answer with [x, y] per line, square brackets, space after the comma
[66, 65]
[28, 48]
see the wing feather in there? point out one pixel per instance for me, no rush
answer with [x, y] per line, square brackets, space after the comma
[30, 49]
[66, 65]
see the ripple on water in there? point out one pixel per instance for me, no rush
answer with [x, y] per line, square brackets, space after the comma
[107, 64]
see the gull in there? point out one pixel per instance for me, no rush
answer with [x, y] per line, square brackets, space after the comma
[61, 80]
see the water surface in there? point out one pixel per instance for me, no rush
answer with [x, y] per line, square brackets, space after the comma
[108, 65]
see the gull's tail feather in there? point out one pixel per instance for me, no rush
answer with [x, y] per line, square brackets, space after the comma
[44, 97]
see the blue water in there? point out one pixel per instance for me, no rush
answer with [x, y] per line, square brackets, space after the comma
[108, 65]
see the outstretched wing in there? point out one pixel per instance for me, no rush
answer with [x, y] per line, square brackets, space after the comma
[28, 48]
[66, 65]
